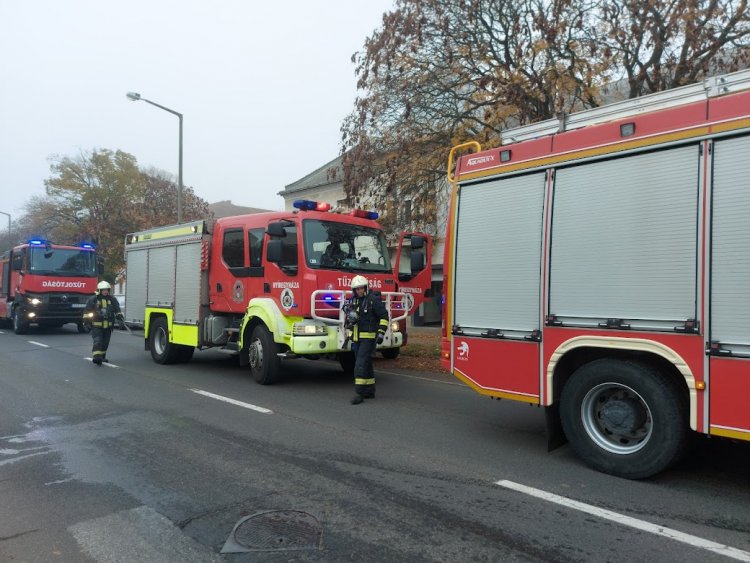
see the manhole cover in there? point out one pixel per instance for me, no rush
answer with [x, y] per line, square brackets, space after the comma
[277, 530]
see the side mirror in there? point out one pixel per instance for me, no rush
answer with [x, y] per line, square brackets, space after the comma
[417, 241]
[274, 250]
[17, 262]
[417, 261]
[276, 230]
[100, 265]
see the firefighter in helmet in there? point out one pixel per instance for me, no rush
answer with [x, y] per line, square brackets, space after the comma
[368, 319]
[102, 312]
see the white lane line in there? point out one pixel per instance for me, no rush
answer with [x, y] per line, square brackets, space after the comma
[233, 401]
[708, 545]
[1, 332]
[21, 458]
[38, 344]
[109, 365]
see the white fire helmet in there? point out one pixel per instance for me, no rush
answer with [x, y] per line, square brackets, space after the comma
[103, 285]
[359, 281]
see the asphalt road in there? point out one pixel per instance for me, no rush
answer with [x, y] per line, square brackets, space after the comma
[140, 462]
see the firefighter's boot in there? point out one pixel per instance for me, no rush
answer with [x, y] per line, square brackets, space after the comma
[357, 399]
[97, 360]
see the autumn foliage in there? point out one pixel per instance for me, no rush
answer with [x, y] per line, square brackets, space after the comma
[100, 196]
[437, 73]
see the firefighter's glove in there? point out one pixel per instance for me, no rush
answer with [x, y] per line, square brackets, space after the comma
[379, 339]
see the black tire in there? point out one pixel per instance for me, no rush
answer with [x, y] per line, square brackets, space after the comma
[20, 326]
[83, 328]
[624, 418]
[184, 353]
[162, 350]
[264, 363]
[347, 361]
[390, 353]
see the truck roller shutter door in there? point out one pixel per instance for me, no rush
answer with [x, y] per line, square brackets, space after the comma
[161, 276]
[624, 239]
[498, 250]
[188, 287]
[135, 286]
[730, 244]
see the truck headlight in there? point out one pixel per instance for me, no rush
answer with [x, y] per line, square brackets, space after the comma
[394, 326]
[309, 329]
[33, 301]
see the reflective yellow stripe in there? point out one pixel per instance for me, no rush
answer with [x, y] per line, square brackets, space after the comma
[369, 335]
[97, 353]
[384, 322]
[360, 381]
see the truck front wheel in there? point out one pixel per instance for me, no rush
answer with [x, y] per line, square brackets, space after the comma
[162, 350]
[264, 363]
[624, 418]
[20, 325]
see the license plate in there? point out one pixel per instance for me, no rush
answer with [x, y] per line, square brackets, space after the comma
[78, 305]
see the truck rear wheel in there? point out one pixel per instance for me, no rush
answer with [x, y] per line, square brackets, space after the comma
[624, 418]
[184, 353]
[162, 350]
[264, 363]
[20, 325]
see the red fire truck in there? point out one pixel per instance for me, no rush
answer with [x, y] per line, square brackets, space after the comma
[47, 284]
[617, 290]
[268, 286]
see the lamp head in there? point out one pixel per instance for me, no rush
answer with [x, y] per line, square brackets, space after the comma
[134, 96]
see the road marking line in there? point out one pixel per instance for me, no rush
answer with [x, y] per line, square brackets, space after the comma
[701, 543]
[90, 359]
[233, 401]
[21, 458]
[38, 344]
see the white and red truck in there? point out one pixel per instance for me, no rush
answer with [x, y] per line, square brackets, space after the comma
[268, 286]
[599, 266]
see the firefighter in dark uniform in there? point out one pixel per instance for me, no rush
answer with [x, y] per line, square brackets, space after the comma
[102, 312]
[369, 322]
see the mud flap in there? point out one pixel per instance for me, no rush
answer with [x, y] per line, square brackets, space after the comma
[555, 435]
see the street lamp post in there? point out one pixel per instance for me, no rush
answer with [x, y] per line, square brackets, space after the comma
[8, 214]
[134, 96]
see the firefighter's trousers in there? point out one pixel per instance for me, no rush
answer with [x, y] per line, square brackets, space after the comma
[101, 338]
[364, 376]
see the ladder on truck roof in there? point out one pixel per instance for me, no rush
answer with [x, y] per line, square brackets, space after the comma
[710, 88]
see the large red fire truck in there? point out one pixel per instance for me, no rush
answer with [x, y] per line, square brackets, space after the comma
[47, 284]
[617, 291]
[268, 286]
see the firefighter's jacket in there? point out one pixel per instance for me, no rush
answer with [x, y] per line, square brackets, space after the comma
[105, 310]
[372, 316]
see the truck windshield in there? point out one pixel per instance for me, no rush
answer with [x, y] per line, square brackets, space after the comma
[342, 246]
[62, 262]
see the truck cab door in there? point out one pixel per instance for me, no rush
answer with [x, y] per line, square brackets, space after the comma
[413, 267]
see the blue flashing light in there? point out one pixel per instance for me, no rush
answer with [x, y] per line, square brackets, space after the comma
[37, 242]
[88, 245]
[372, 215]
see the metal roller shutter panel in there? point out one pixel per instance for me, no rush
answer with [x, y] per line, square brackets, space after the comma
[498, 250]
[624, 236]
[135, 286]
[161, 276]
[730, 244]
[187, 293]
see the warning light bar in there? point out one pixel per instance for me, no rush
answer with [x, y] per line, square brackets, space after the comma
[365, 214]
[88, 245]
[308, 205]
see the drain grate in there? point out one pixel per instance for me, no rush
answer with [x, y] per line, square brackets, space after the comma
[275, 530]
